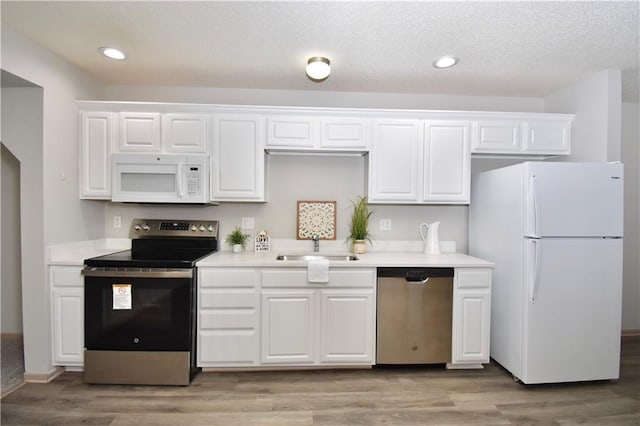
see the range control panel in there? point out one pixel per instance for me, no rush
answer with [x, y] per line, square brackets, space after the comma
[153, 228]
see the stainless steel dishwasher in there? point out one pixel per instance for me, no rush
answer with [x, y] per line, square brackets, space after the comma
[414, 315]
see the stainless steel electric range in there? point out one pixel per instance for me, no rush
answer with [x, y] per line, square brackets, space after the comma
[140, 305]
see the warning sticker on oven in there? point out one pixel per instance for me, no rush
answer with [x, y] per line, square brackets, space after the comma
[121, 296]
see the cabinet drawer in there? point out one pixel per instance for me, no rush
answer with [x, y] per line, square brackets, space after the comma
[67, 276]
[297, 277]
[228, 298]
[473, 278]
[227, 319]
[228, 347]
[228, 277]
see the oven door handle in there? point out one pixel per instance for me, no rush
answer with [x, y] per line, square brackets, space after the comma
[136, 273]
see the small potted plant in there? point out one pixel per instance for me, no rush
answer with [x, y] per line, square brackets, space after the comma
[237, 240]
[359, 226]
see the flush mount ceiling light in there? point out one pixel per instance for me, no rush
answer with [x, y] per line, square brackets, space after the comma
[445, 62]
[112, 52]
[318, 68]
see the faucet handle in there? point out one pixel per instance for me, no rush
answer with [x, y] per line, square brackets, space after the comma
[315, 237]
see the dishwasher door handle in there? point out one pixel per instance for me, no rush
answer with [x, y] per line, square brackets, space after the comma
[416, 282]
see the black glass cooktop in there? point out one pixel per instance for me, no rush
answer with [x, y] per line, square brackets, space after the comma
[157, 254]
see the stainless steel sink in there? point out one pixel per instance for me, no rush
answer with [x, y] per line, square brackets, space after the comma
[313, 256]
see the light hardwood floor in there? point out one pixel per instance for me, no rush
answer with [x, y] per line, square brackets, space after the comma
[397, 396]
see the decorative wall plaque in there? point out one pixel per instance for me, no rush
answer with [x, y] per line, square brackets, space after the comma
[316, 218]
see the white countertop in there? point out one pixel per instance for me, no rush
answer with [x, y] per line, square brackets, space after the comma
[368, 260]
[75, 253]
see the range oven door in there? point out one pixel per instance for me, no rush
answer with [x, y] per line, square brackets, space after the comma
[139, 309]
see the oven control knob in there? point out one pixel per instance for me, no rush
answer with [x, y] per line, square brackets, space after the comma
[194, 228]
[210, 228]
[146, 227]
[136, 340]
[137, 227]
[202, 228]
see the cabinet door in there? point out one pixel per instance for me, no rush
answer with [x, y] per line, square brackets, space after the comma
[288, 326]
[238, 158]
[497, 137]
[347, 325]
[97, 136]
[68, 325]
[184, 133]
[343, 133]
[471, 316]
[139, 132]
[547, 137]
[447, 162]
[394, 161]
[291, 131]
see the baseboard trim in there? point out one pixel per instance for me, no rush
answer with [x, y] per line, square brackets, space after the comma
[43, 378]
[630, 333]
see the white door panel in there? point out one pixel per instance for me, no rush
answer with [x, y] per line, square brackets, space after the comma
[575, 199]
[572, 330]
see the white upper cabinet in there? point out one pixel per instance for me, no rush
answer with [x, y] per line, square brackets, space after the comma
[139, 132]
[184, 133]
[290, 131]
[344, 132]
[316, 133]
[446, 159]
[547, 137]
[97, 137]
[522, 135]
[407, 167]
[394, 161]
[497, 136]
[238, 158]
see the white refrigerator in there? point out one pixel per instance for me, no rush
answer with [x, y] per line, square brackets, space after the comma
[554, 231]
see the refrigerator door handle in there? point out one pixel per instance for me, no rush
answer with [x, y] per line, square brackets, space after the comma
[534, 206]
[535, 271]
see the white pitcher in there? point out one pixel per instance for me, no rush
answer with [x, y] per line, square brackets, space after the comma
[429, 234]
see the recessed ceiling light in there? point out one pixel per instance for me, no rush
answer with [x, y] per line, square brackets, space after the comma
[445, 62]
[112, 52]
[318, 68]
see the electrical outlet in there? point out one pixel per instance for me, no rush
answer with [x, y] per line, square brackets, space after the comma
[248, 223]
[117, 221]
[385, 224]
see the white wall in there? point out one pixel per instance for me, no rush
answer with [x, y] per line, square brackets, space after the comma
[51, 167]
[596, 100]
[212, 95]
[22, 134]
[631, 273]
[11, 266]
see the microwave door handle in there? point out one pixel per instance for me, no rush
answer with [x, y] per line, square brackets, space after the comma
[179, 181]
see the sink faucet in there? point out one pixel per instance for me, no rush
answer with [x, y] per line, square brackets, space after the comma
[316, 242]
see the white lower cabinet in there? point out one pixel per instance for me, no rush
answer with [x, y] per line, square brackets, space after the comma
[471, 316]
[228, 332]
[67, 308]
[314, 324]
[288, 319]
[346, 332]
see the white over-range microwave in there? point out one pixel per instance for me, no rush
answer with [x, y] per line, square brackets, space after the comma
[160, 178]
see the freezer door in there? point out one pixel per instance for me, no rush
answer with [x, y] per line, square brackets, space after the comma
[574, 199]
[572, 310]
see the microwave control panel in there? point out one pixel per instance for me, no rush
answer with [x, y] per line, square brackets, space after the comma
[194, 180]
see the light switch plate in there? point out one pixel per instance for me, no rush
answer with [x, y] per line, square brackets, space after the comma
[385, 224]
[117, 221]
[248, 223]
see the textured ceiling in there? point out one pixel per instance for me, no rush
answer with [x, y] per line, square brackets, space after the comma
[506, 48]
